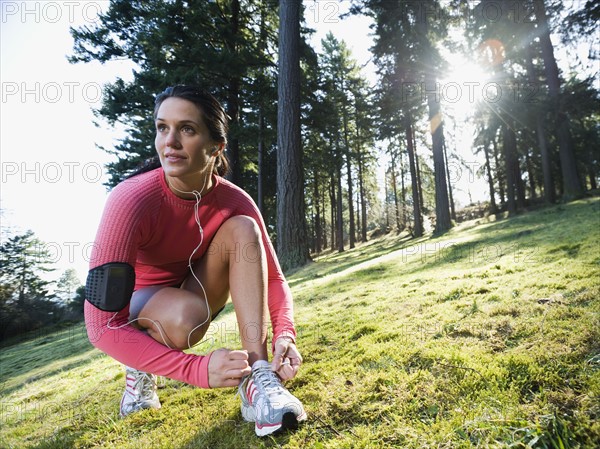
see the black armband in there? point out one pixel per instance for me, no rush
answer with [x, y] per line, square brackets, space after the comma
[109, 286]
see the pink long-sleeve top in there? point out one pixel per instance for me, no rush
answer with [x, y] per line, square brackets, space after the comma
[147, 226]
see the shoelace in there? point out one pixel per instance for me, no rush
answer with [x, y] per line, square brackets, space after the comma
[144, 385]
[267, 380]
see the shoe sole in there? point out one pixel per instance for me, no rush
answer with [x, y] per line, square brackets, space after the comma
[289, 421]
[156, 405]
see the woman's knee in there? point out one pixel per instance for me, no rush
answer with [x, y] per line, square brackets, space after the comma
[243, 229]
[172, 323]
[188, 325]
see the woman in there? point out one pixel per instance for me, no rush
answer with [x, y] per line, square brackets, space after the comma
[174, 242]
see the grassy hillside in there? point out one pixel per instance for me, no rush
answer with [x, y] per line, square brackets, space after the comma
[488, 336]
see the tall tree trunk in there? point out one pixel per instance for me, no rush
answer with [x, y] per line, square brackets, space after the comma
[549, 189]
[261, 146]
[450, 196]
[261, 117]
[386, 208]
[519, 184]
[292, 242]
[324, 230]
[352, 231]
[395, 191]
[509, 147]
[333, 210]
[501, 177]
[363, 201]
[358, 228]
[22, 284]
[442, 209]
[418, 168]
[442, 206]
[340, 210]
[361, 183]
[403, 191]
[318, 227]
[313, 234]
[572, 187]
[592, 176]
[351, 223]
[233, 145]
[589, 158]
[233, 101]
[488, 169]
[530, 175]
[417, 217]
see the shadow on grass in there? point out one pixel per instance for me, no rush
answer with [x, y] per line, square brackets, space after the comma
[335, 263]
[539, 236]
[531, 237]
[234, 432]
[546, 235]
[36, 354]
[46, 374]
[63, 439]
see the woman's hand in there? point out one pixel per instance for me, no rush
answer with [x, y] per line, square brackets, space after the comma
[286, 358]
[226, 368]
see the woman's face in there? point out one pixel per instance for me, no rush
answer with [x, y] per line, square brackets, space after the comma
[182, 139]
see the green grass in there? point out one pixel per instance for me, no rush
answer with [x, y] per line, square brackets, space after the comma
[488, 336]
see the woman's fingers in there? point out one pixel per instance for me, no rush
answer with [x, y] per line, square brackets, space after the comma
[236, 373]
[230, 383]
[238, 354]
[281, 348]
[286, 371]
[226, 368]
[286, 365]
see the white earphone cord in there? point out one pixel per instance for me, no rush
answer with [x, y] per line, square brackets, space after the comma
[198, 197]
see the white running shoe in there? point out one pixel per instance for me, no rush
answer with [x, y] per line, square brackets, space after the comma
[267, 403]
[140, 392]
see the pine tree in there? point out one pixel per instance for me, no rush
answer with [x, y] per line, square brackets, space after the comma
[572, 186]
[25, 302]
[67, 285]
[194, 42]
[406, 55]
[292, 242]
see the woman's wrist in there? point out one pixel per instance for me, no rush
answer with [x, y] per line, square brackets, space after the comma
[286, 337]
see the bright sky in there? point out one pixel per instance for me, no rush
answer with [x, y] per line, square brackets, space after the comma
[52, 172]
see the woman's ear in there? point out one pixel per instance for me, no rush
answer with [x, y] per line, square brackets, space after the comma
[217, 149]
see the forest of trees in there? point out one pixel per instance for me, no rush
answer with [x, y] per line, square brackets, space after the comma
[27, 300]
[315, 117]
[309, 131]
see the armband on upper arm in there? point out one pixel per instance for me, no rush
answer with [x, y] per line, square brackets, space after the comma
[109, 286]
